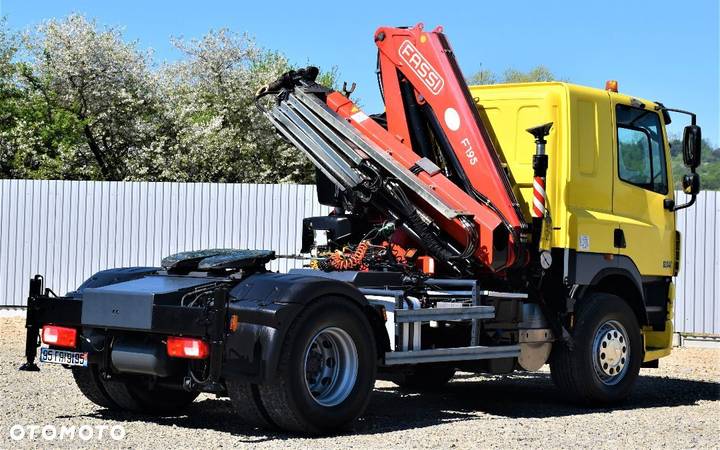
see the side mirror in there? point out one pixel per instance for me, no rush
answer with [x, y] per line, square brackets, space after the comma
[692, 141]
[691, 183]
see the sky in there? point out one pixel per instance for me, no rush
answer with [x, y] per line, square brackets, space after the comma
[660, 50]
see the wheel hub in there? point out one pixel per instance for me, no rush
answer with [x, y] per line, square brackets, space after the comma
[610, 352]
[331, 366]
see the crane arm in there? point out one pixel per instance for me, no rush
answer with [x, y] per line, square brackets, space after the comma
[425, 62]
[433, 162]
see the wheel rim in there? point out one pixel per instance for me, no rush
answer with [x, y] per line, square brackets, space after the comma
[331, 366]
[611, 352]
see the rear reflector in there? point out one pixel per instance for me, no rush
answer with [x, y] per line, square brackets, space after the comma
[182, 347]
[59, 336]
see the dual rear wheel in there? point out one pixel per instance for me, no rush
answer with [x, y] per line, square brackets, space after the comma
[325, 375]
[129, 395]
[323, 382]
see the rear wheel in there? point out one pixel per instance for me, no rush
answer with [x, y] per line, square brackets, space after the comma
[135, 395]
[426, 377]
[607, 352]
[326, 371]
[88, 381]
[245, 398]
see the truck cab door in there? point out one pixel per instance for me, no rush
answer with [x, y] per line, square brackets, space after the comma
[641, 185]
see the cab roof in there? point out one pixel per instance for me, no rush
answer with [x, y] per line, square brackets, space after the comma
[619, 97]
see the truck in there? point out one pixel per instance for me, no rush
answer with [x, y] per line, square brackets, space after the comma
[485, 229]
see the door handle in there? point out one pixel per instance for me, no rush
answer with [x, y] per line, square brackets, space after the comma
[619, 238]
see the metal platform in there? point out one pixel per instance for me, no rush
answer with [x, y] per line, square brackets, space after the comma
[437, 314]
[451, 354]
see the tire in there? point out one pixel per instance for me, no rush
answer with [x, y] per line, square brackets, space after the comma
[245, 398]
[326, 370]
[605, 361]
[427, 377]
[134, 396]
[88, 381]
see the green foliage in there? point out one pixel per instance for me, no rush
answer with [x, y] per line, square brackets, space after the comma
[538, 73]
[709, 168]
[85, 105]
[79, 102]
[9, 94]
[633, 155]
[483, 76]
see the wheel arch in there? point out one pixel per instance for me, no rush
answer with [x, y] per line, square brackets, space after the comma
[614, 274]
[267, 305]
[623, 284]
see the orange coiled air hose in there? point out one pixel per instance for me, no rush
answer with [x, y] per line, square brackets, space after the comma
[339, 261]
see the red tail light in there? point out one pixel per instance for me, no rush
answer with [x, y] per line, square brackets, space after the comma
[182, 347]
[59, 336]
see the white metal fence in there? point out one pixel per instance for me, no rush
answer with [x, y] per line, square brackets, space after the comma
[68, 230]
[697, 306]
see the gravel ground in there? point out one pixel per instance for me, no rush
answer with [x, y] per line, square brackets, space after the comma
[675, 406]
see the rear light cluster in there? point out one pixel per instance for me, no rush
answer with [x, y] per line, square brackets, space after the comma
[178, 347]
[183, 347]
[59, 336]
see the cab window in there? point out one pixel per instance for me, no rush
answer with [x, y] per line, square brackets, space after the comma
[641, 152]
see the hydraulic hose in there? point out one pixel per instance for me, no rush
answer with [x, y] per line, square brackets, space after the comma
[429, 239]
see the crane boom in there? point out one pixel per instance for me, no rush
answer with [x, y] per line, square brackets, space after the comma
[426, 62]
[440, 177]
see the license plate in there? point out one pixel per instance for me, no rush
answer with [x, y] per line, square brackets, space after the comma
[54, 356]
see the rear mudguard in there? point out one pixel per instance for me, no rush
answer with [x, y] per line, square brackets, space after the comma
[266, 306]
[112, 276]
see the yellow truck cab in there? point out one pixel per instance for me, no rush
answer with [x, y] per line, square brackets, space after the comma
[610, 202]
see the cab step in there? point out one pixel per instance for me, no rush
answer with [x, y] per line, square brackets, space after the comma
[451, 354]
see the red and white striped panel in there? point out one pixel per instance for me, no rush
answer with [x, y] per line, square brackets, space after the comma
[538, 197]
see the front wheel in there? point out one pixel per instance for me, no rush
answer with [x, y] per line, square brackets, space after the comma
[607, 352]
[326, 371]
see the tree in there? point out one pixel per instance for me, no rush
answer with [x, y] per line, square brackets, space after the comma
[538, 73]
[218, 132]
[483, 76]
[215, 131]
[89, 101]
[9, 95]
[709, 169]
[81, 103]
